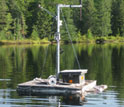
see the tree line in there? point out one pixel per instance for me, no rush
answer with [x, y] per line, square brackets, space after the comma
[22, 19]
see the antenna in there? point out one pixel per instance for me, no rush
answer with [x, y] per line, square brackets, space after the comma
[80, 10]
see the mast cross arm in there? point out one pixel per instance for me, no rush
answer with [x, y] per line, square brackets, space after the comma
[63, 5]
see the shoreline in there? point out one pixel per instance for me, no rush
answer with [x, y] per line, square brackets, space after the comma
[22, 42]
[87, 41]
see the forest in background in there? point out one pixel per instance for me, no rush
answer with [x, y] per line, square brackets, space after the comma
[22, 19]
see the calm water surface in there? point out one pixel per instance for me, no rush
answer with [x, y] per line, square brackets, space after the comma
[105, 63]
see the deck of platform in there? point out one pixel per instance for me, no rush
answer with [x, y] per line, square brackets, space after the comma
[41, 87]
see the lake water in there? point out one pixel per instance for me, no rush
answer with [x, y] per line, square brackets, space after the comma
[105, 63]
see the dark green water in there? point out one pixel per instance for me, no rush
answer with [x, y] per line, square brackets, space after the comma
[105, 63]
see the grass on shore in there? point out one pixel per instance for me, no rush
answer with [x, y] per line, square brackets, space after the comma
[25, 41]
[83, 39]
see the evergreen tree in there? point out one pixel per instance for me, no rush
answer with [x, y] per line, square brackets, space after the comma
[17, 29]
[17, 9]
[3, 14]
[23, 26]
[103, 17]
[115, 17]
[118, 17]
[5, 20]
[8, 27]
[35, 35]
[44, 23]
[88, 16]
[100, 17]
[121, 18]
[31, 15]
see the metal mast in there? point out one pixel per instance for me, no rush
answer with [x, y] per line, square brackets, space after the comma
[59, 23]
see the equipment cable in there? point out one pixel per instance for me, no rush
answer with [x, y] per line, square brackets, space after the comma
[66, 26]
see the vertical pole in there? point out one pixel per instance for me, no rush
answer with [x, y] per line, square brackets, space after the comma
[58, 35]
[58, 40]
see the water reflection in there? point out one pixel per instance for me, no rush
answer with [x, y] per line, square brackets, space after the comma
[73, 100]
[22, 63]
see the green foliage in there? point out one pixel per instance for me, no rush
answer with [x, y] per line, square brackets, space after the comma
[35, 35]
[17, 30]
[2, 35]
[68, 14]
[118, 17]
[88, 16]
[102, 17]
[121, 14]
[78, 36]
[5, 21]
[89, 34]
[3, 14]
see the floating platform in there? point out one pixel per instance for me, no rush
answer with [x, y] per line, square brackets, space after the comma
[36, 87]
[73, 82]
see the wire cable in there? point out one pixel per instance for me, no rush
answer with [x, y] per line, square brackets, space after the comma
[66, 26]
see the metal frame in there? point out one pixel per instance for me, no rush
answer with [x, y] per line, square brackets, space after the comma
[59, 23]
